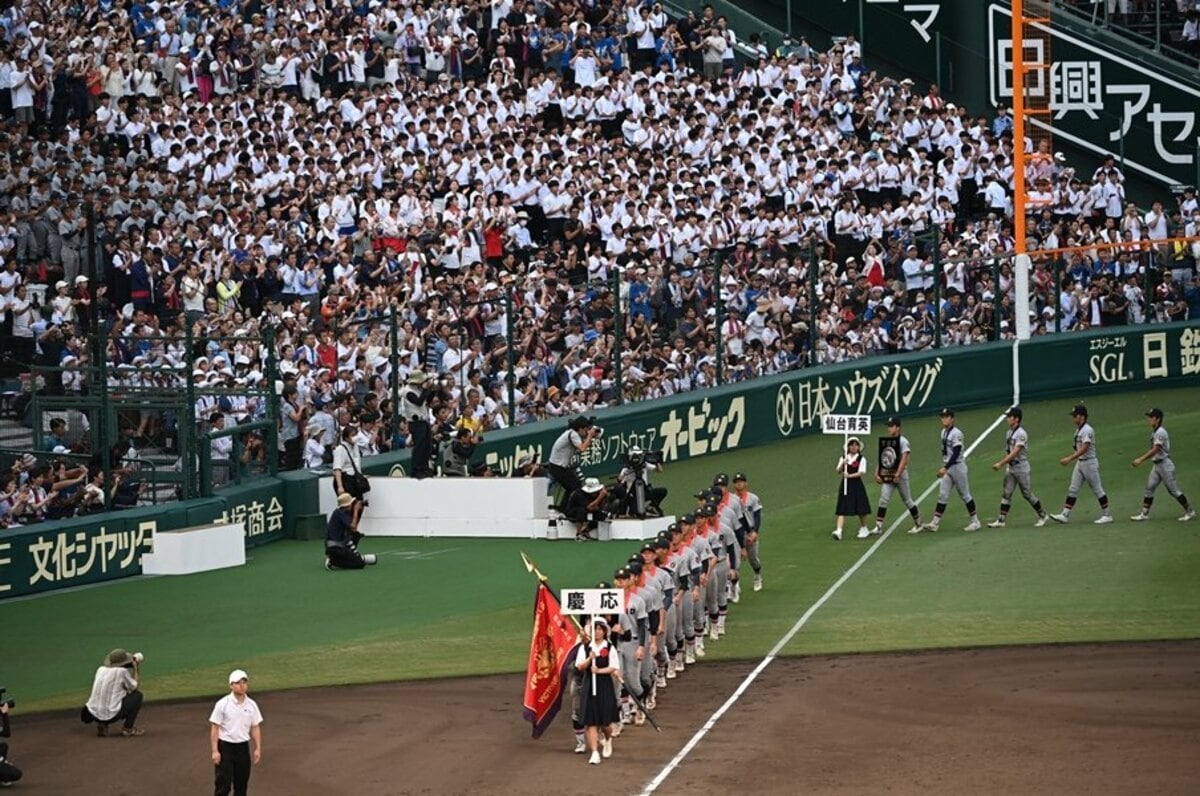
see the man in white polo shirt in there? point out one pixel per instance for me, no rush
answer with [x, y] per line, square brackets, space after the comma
[235, 720]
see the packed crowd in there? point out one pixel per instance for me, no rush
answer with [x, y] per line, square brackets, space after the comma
[527, 171]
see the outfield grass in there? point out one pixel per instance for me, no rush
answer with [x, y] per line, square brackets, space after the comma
[457, 607]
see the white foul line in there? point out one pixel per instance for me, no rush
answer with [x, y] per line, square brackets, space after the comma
[654, 784]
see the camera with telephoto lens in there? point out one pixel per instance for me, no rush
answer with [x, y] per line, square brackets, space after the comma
[635, 458]
[11, 703]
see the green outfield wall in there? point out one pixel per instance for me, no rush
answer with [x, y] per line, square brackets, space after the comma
[1068, 366]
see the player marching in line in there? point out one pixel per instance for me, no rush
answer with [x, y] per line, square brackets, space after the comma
[631, 639]
[699, 543]
[953, 473]
[898, 482]
[1016, 460]
[752, 514]
[1163, 472]
[1087, 468]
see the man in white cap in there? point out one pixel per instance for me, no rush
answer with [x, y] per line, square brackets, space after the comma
[235, 721]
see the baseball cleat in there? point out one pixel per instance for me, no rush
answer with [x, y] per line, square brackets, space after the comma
[877, 530]
[671, 675]
[837, 534]
[594, 759]
[930, 526]
[639, 719]
[1190, 514]
[1103, 519]
[863, 533]
[1060, 517]
[689, 659]
[758, 582]
[580, 746]
[973, 525]
[1140, 516]
[660, 681]
[1041, 521]
[996, 524]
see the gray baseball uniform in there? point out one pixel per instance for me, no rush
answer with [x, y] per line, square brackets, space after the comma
[652, 594]
[714, 592]
[1087, 466]
[1164, 469]
[689, 569]
[634, 621]
[1017, 472]
[752, 511]
[703, 551]
[901, 483]
[954, 460]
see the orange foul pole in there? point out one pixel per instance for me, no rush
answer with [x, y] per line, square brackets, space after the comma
[1018, 112]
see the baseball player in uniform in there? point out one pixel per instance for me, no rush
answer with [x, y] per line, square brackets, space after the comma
[898, 483]
[1016, 460]
[665, 583]
[732, 528]
[1163, 472]
[704, 558]
[648, 588]
[633, 627]
[1087, 468]
[687, 568]
[752, 517]
[953, 473]
[715, 602]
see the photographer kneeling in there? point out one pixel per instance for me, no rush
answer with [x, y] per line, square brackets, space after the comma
[585, 508]
[639, 498]
[341, 540]
[8, 772]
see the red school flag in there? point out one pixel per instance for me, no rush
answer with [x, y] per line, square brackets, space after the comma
[551, 651]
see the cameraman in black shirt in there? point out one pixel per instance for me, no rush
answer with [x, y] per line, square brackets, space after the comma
[8, 772]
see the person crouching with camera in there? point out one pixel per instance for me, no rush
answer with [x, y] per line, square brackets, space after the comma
[585, 508]
[640, 498]
[8, 772]
[115, 694]
[341, 540]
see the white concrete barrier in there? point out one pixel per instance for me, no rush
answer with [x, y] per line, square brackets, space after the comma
[199, 549]
[634, 530]
[479, 507]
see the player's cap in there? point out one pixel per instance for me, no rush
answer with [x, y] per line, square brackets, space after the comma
[893, 421]
[603, 585]
[687, 519]
[237, 676]
[1079, 409]
[635, 568]
[1155, 412]
[947, 412]
[720, 479]
[739, 476]
[663, 544]
[1015, 412]
[701, 495]
[705, 511]
[648, 547]
[673, 528]
[622, 574]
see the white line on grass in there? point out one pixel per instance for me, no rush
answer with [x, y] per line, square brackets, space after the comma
[787, 637]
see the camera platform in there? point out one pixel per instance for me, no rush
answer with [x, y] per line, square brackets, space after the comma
[633, 529]
[498, 508]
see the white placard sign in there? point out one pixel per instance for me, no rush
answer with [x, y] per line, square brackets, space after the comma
[590, 601]
[846, 424]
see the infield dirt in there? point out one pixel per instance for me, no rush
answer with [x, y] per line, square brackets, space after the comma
[1113, 718]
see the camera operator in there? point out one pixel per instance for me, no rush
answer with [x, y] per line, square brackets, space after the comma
[564, 455]
[457, 453]
[585, 508]
[528, 467]
[115, 695]
[8, 772]
[640, 498]
[415, 402]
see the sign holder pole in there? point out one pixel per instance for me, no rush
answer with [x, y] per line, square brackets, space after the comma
[845, 464]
